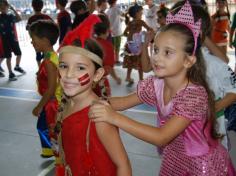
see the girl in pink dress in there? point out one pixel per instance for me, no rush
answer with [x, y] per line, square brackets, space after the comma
[87, 149]
[183, 100]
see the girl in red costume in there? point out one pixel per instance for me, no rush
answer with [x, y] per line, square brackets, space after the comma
[221, 25]
[86, 148]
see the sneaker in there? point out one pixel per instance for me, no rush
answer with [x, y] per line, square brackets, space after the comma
[1, 74]
[19, 69]
[12, 77]
[1, 69]
[47, 153]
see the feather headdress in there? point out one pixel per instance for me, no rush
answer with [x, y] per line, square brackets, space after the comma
[83, 32]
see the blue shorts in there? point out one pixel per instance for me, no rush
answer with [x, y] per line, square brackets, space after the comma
[39, 56]
[230, 115]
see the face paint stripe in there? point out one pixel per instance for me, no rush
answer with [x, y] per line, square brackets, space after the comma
[84, 77]
[85, 82]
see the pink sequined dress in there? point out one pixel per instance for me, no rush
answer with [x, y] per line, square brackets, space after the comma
[191, 153]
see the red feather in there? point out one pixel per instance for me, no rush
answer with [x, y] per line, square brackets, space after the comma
[82, 32]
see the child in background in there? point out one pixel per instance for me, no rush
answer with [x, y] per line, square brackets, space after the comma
[8, 35]
[44, 34]
[221, 25]
[101, 30]
[232, 38]
[161, 14]
[63, 19]
[80, 10]
[115, 14]
[101, 6]
[184, 103]
[150, 17]
[91, 5]
[150, 14]
[38, 15]
[87, 148]
[134, 28]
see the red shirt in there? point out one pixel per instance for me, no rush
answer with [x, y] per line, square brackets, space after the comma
[108, 51]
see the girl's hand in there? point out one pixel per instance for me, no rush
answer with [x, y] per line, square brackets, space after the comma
[101, 111]
[36, 111]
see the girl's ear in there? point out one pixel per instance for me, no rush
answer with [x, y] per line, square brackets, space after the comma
[98, 74]
[190, 61]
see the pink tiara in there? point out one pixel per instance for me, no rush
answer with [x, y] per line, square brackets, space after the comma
[185, 17]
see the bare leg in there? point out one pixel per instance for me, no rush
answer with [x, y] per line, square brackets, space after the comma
[18, 59]
[128, 78]
[140, 74]
[9, 65]
[12, 76]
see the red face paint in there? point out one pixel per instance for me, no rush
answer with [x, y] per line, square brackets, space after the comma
[83, 80]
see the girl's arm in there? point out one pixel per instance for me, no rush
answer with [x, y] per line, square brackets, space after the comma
[18, 18]
[110, 138]
[215, 50]
[156, 136]
[126, 31]
[126, 102]
[52, 82]
[145, 59]
[226, 101]
[146, 26]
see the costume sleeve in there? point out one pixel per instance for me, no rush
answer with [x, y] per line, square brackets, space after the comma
[146, 91]
[191, 103]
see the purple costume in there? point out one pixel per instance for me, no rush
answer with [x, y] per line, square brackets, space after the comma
[193, 152]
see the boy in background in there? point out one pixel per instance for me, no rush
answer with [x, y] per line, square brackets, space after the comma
[9, 38]
[44, 34]
[63, 19]
[38, 15]
[101, 31]
[80, 10]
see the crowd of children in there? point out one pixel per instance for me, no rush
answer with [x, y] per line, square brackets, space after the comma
[193, 89]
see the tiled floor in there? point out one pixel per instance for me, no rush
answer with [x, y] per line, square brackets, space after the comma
[20, 147]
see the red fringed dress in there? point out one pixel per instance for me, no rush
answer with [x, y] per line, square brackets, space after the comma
[83, 159]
